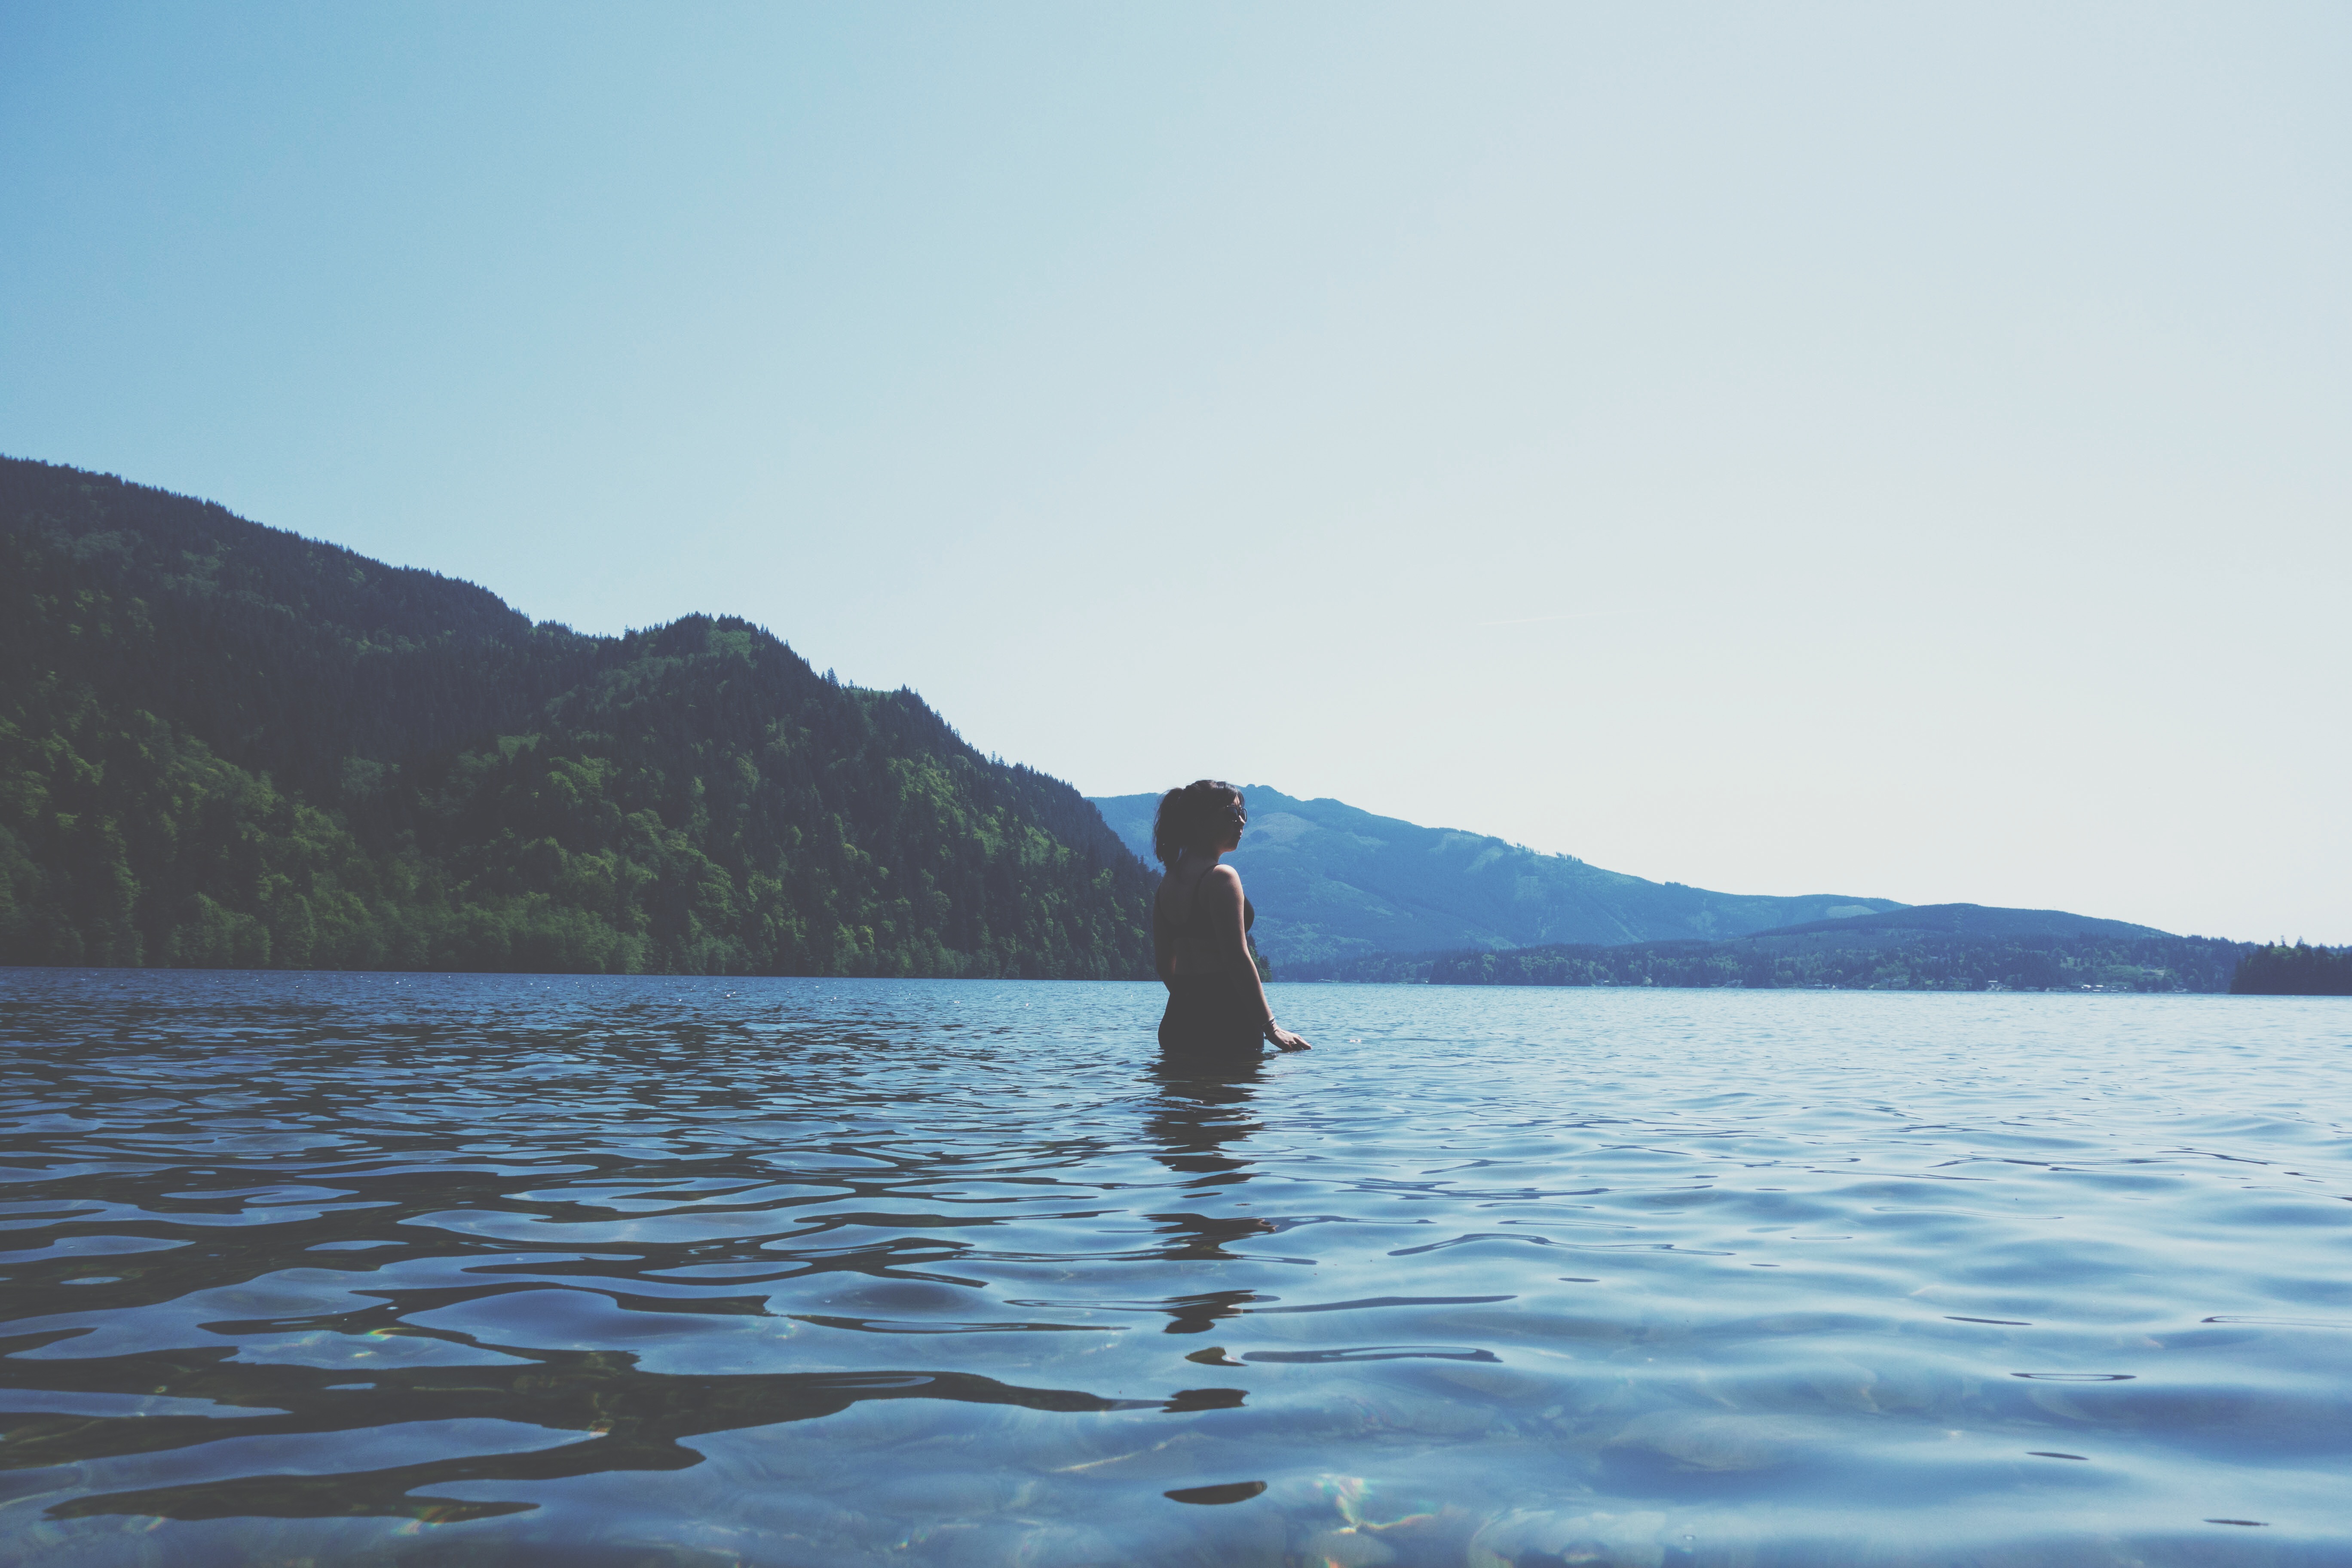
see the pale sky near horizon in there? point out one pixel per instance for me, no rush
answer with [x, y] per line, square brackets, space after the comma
[1898, 451]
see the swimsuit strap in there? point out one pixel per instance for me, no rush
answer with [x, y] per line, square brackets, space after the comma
[1193, 905]
[1192, 908]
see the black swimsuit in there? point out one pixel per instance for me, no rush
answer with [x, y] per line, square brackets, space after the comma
[1215, 1014]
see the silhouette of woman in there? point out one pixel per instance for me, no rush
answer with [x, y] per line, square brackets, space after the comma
[1217, 1011]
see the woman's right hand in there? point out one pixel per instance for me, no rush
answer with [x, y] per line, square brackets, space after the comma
[1284, 1040]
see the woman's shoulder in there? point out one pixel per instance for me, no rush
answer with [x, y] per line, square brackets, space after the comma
[1222, 877]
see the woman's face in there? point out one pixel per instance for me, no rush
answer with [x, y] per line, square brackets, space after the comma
[1236, 818]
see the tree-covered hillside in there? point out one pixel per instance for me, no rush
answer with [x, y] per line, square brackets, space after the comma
[222, 744]
[1916, 922]
[1332, 882]
[2278, 970]
[2024, 963]
[1942, 947]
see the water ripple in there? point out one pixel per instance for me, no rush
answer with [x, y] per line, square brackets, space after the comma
[509, 1270]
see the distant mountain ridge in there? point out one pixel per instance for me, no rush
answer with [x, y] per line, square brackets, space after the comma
[1333, 882]
[1934, 947]
[1983, 920]
[224, 744]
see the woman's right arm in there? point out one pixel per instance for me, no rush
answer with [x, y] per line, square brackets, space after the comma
[1225, 905]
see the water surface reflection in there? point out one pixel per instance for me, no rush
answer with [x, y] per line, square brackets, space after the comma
[388, 1268]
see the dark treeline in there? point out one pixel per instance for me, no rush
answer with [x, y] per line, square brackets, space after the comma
[2279, 970]
[221, 744]
[1367, 969]
[1934, 963]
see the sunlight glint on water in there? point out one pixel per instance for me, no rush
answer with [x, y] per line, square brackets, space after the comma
[378, 1269]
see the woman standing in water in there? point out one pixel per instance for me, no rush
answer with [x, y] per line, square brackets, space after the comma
[1200, 931]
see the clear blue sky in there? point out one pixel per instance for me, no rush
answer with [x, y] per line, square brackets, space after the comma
[1893, 450]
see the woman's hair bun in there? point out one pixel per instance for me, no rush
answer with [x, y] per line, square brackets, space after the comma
[1193, 818]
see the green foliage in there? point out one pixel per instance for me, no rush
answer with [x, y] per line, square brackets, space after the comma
[1371, 969]
[224, 745]
[2278, 970]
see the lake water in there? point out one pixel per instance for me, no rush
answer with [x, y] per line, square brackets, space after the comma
[509, 1269]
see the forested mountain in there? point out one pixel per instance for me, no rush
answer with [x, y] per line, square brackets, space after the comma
[221, 743]
[1332, 883]
[1936, 947]
[1916, 923]
[2022, 963]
